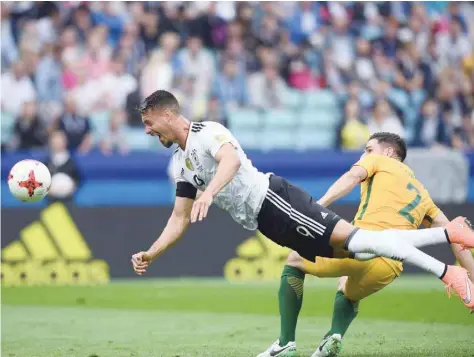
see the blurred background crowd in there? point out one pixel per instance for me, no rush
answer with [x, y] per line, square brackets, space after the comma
[313, 75]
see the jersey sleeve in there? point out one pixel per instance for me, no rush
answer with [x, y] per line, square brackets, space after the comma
[176, 170]
[183, 187]
[214, 137]
[370, 163]
[431, 213]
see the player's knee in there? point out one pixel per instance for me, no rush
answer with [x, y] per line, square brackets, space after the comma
[295, 260]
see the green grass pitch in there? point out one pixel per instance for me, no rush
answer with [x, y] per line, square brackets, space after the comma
[212, 318]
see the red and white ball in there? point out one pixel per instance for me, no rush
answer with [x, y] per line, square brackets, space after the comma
[29, 181]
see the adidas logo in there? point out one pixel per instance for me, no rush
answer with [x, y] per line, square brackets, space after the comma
[258, 258]
[51, 251]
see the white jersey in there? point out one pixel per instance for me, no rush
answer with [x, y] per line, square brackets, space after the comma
[243, 196]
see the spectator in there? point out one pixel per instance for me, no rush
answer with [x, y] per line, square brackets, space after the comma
[389, 42]
[49, 84]
[210, 25]
[48, 27]
[111, 16]
[198, 63]
[266, 88]
[81, 20]
[430, 129]
[304, 21]
[269, 32]
[215, 112]
[77, 128]
[116, 137]
[353, 133]
[9, 51]
[116, 85]
[363, 65]
[409, 75]
[192, 101]
[148, 29]
[131, 49]
[97, 56]
[463, 138]
[384, 120]
[235, 51]
[17, 89]
[65, 176]
[29, 130]
[87, 94]
[340, 42]
[230, 87]
[455, 45]
[160, 70]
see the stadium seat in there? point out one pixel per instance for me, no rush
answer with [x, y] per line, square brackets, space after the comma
[273, 138]
[293, 99]
[244, 118]
[323, 99]
[8, 122]
[319, 118]
[248, 139]
[100, 123]
[137, 140]
[280, 117]
[314, 139]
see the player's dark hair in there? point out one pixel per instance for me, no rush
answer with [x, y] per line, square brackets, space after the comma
[394, 141]
[160, 99]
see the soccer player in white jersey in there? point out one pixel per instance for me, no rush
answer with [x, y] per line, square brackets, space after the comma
[210, 159]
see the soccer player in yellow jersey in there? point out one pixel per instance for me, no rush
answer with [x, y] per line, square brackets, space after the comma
[391, 198]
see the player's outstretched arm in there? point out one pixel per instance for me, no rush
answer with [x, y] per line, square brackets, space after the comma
[464, 256]
[344, 185]
[229, 164]
[175, 228]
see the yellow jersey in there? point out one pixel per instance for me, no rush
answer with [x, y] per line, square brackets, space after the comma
[392, 198]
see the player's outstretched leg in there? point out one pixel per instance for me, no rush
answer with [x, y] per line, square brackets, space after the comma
[391, 244]
[454, 232]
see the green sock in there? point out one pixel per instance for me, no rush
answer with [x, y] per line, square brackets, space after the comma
[290, 298]
[344, 313]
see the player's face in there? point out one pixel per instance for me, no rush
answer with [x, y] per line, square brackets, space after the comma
[157, 124]
[374, 147]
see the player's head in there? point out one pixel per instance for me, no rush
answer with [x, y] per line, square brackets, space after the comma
[159, 113]
[388, 144]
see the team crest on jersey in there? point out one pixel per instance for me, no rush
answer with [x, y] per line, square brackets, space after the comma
[189, 165]
[220, 138]
[195, 158]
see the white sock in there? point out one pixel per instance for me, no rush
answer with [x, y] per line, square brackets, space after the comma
[417, 238]
[423, 237]
[389, 244]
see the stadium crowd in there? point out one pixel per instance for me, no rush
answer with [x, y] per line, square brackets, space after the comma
[83, 67]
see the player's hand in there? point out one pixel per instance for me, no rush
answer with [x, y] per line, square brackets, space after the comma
[140, 262]
[201, 206]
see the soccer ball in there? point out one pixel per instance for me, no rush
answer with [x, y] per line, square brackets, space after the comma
[29, 180]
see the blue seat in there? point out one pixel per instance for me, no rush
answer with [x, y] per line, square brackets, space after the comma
[314, 139]
[100, 123]
[293, 99]
[138, 140]
[244, 118]
[8, 122]
[280, 117]
[319, 118]
[248, 139]
[320, 99]
[277, 138]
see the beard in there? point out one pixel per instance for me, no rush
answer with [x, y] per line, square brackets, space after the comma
[167, 144]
